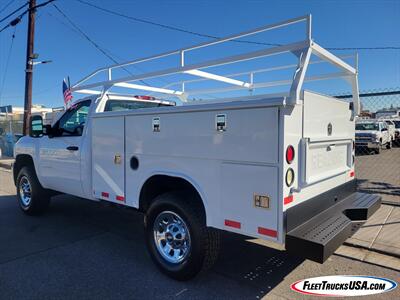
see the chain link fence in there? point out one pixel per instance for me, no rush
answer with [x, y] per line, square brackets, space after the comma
[377, 162]
[10, 132]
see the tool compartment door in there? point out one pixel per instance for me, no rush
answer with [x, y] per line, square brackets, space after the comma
[328, 135]
[108, 149]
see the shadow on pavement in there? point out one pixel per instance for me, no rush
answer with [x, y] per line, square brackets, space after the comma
[374, 187]
[80, 249]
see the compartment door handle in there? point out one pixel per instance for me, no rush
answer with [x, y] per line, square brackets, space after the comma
[73, 148]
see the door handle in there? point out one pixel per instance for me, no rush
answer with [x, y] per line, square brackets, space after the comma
[73, 148]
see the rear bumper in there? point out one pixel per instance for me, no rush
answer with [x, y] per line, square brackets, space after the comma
[318, 237]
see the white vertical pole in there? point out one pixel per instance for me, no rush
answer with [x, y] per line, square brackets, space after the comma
[308, 27]
[182, 65]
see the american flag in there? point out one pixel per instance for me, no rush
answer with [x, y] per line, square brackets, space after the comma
[67, 93]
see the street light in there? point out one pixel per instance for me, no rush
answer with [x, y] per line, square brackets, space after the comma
[34, 63]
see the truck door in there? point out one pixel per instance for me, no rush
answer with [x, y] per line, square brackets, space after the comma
[385, 132]
[60, 153]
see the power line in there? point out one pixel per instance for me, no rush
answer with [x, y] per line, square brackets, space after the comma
[216, 37]
[365, 48]
[169, 26]
[5, 6]
[7, 63]
[19, 17]
[97, 46]
[15, 11]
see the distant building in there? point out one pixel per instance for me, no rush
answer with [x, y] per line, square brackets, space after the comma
[392, 112]
[11, 117]
[16, 113]
[366, 114]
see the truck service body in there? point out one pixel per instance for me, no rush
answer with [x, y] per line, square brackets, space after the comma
[278, 167]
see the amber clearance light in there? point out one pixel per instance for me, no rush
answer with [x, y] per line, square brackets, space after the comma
[289, 177]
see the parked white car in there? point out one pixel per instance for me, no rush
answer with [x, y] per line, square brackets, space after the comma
[394, 129]
[277, 167]
[372, 135]
[391, 129]
[397, 130]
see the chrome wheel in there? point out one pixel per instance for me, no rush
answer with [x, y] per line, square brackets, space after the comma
[172, 237]
[25, 191]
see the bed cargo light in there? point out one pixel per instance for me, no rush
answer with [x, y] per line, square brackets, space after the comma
[289, 154]
[289, 178]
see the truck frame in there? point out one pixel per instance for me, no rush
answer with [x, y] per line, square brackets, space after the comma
[279, 167]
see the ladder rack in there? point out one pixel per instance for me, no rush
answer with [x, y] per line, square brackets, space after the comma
[301, 49]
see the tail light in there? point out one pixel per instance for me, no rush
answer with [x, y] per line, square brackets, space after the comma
[289, 154]
[145, 97]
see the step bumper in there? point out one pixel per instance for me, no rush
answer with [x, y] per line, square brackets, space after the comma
[320, 236]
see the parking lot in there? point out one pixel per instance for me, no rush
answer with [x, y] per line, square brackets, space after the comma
[81, 250]
[380, 173]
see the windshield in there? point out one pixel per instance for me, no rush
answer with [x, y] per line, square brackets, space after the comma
[120, 105]
[367, 126]
[397, 124]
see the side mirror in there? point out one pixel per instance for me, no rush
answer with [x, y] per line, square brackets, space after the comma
[36, 128]
[47, 130]
[384, 129]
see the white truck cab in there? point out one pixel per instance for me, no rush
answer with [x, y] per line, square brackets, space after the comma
[372, 135]
[278, 167]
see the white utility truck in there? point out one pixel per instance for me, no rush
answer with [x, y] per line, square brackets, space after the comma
[372, 135]
[278, 167]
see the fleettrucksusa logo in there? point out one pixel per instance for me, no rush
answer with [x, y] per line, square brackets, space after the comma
[343, 285]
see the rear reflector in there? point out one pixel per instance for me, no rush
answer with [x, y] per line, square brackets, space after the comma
[233, 224]
[266, 231]
[352, 173]
[120, 198]
[288, 199]
[105, 194]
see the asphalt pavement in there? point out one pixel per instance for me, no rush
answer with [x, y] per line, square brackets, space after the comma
[82, 249]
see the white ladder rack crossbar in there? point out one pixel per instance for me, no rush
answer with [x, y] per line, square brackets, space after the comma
[302, 49]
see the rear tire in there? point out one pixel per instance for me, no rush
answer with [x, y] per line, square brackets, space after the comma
[177, 237]
[389, 145]
[33, 199]
[378, 150]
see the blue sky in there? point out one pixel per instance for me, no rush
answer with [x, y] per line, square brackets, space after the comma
[335, 24]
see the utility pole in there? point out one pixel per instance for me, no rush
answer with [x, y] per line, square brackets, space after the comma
[29, 67]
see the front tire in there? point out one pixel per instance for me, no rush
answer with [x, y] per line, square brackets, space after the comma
[33, 199]
[177, 237]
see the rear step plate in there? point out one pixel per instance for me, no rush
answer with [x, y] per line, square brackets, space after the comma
[319, 237]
